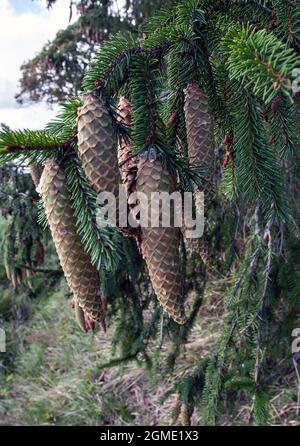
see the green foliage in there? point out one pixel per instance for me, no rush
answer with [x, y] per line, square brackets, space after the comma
[288, 22]
[63, 126]
[110, 64]
[22, 237]
[24, 140]
[158, 25]
[261, 62]
[283, 125]
[103, 244]
[146, 125]
[257, 170]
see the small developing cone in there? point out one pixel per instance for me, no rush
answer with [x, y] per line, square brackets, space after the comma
[186, 414]
[83, 320]
[36, 171]
[81, 275]
[97, 145]
[40, 252]
[200, 130]
[79, 316]
[160, 245]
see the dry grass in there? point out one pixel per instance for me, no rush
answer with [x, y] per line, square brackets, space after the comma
[58, 380]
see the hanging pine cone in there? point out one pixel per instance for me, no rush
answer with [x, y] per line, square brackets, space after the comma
[128, 166]
[160, 246]
[36, 171]
[97, 145]
[124, 148]
[127, 163]
[199, 126]
[81, 275]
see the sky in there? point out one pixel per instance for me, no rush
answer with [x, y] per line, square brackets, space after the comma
[25, 26]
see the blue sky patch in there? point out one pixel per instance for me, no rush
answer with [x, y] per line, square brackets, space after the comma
[21, 6]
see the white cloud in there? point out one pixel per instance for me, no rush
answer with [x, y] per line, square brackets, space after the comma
[33, 117]
[21, 36]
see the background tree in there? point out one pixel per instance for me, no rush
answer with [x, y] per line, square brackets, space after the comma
[57, 71]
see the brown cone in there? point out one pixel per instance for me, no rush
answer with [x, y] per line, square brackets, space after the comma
[160, 246]
[97, 145]
[127, 165]
[81, 275]
[200, 130]
[36, 171]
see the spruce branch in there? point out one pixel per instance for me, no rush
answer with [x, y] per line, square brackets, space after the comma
[284, 127]
[180, 70]
[64, 125]
[21, 141]
[103, 244]
[257, 170]
[287, 22]
[160, 20]
[111, 62]
[146, 125]
[261, 62]
[259, 408]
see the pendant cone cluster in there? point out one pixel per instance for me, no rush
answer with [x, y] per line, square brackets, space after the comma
[159, 246]
[106, 166]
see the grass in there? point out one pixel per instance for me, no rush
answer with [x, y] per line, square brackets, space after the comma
[56, 378]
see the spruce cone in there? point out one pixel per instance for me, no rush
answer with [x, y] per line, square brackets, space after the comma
[199, 126]
[128, 166]
[127, 163]
[124, 148]
[36, 171]
[81, 275]
[160, 246]
[97, 145]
